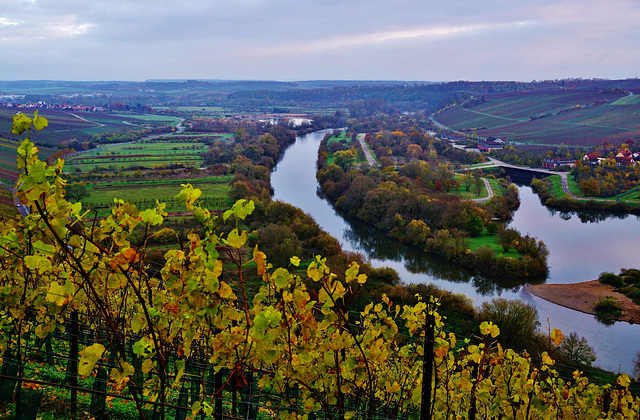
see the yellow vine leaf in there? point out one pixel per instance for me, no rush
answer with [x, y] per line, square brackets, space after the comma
[487, 328]
[89, 356]
[556, 336]
[39, 122]
[59, 294]
[189, 195]
[261, 260]
[624, 381]
[147, 365]
[241, 209]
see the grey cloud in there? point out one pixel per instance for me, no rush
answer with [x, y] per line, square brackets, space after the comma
[292, 39]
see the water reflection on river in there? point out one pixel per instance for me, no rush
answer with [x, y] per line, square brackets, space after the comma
[578, 252]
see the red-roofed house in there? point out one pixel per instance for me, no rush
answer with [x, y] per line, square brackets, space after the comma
[624, 153]
[591, 158]
[489, 145]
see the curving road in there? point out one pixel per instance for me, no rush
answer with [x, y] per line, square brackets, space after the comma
[367, 153]
[487, 185]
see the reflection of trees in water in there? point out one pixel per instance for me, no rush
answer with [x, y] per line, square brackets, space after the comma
[595, 217]
[483, 286]
[374, 243]
[489, 286]
[380, 247]
[418, 262]
[588, 216]
[585, 216]
[367, 239]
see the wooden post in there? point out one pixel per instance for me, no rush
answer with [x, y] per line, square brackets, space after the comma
[427, 368]
[72, 364]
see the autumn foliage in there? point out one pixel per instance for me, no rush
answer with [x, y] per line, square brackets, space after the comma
[309, 353]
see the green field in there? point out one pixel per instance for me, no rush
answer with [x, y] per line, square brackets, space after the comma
[486, 239]
[632, 196]
[471, 194]
[342, 138]
[208, 136]
[627, 100]
[207, 109]
[145, 192]
[141, 172]
[148, 171]
[153, 154]
[556, 188]
[151, 117]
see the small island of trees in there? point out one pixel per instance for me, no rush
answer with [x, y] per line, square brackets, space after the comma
[411, 196]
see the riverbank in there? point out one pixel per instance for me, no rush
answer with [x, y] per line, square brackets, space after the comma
[583, 297]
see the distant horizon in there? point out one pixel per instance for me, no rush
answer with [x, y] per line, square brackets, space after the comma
[167, 80]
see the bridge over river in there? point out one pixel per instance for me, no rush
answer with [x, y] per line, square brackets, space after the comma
[520, 171]
[527, 173]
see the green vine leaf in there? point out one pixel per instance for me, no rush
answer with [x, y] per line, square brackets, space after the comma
[39, 122]
[237, 240]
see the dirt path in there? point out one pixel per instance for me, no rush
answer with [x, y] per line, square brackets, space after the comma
[487, 185]
[583, 297]
[367, 154]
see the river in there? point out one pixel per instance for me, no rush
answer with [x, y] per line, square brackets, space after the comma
[578, 252]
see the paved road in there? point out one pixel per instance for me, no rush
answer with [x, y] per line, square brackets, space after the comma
[367, 154]
[563, 178]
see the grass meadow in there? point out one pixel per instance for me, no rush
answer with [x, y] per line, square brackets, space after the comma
[489, 240]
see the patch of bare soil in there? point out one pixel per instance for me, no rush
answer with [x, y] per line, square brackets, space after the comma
[583, 297]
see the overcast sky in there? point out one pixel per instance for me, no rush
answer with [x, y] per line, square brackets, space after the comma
[319, 39]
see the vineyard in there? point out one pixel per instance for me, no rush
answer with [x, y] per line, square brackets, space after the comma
[152, 154]
[65, 125]
[549, 117]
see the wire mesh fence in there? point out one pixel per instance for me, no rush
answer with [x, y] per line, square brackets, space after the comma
[44, 379]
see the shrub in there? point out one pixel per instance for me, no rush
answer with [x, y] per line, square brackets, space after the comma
[518, 322]
[608, 310]
[492, 227]
[612, 279]
[634, 294]
[630, 276]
